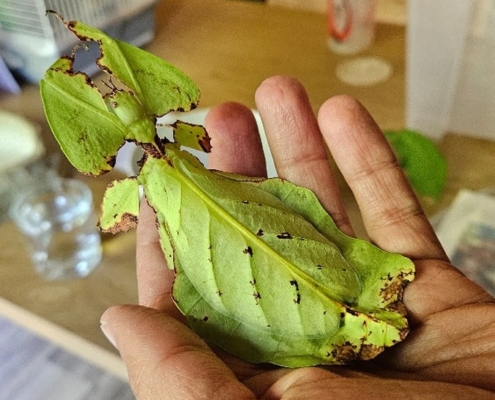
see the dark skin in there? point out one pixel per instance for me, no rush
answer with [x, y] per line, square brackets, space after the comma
[450, 351]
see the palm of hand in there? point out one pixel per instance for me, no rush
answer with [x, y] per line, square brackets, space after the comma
[452, 336]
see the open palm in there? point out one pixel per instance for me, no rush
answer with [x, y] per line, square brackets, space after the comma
[450, 351]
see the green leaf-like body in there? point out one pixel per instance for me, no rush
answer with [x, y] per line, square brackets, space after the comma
[263, 272]
[261, 268]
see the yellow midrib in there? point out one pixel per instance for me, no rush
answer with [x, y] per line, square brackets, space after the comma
[212, 205]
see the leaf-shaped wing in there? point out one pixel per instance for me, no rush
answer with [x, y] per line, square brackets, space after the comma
[120, 208]
[258, 278]
[159, 85]
[382, 274]
[87, 133]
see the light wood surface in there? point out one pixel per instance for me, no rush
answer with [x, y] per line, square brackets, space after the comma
[228, 48]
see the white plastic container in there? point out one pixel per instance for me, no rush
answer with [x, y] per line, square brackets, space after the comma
[350, 25]
[59, 224]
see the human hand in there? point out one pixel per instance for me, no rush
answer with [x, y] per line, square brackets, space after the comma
[450, 350]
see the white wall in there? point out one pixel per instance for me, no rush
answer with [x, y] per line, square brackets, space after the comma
[451, 67]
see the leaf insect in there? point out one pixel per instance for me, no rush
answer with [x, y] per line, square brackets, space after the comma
[208, 221]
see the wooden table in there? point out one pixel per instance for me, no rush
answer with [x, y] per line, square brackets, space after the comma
[228, 48]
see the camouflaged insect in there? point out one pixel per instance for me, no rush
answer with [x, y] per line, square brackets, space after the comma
[261, 269]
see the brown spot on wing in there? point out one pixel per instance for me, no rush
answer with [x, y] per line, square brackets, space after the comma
[205, 143]
[248, 250]
[127, 222]
[370, 351]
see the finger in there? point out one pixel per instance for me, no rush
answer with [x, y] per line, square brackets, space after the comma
[165, 359]
[236, 144]
[296, 143]
[315, 384]
[154, 278]
[391, 212]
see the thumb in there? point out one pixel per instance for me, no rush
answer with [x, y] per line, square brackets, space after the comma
[165, 359]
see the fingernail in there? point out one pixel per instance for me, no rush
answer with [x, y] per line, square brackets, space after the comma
[108, 334]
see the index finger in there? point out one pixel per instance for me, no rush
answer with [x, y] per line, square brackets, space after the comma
[154, 279]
